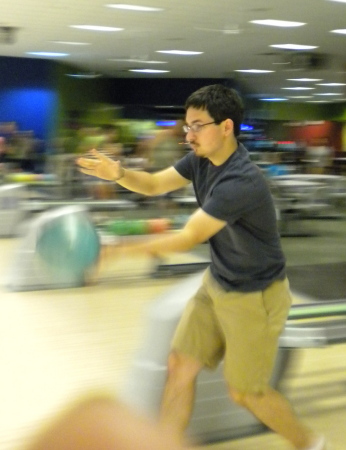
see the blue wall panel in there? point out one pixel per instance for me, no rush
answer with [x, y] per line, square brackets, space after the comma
[32, 109]
[28, 94]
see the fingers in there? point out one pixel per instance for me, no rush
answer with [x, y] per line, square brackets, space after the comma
[93, 159]
[100, 156]
[90, 157]
[99, 165]
[86, 163]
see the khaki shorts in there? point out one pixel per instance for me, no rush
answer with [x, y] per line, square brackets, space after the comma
[241, 327]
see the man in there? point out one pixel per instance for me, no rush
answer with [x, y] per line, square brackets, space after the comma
[241, 308]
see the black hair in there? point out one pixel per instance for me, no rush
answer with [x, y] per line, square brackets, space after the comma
[221, 103]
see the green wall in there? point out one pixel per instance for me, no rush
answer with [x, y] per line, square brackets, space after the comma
[78, 96]
[297, 111]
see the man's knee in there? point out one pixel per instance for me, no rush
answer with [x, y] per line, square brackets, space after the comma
[245, 399]
[182, 367]
[238, 397]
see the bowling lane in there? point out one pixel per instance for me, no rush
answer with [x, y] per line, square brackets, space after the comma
[57, 345]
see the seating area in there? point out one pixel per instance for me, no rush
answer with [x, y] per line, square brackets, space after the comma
[299, 197]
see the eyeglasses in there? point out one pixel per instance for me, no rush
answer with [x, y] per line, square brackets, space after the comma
[196, 127]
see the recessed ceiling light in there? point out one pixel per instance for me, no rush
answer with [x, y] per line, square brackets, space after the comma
[70, 43]
[304, 79]
[87, 76]
[179, 52]
[48, 54]
[298, 88]
[166, 106]
[96, 28]
[137, 61]
[148, 70]
[254, 71]
[331, 84]
[277, 23]
[329, 93]
[133, 7]
[281, 63]
[294, 46]
[341, 31]
[274, 99]
[318, 101]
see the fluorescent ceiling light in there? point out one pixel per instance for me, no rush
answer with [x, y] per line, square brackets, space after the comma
[133, 7]
[329, 93]
[318, 101]
[87, 76]
[281, 63]
[166, 106]
[294, 46]
[304, 79]
[137, 61]
[69, 43]
[254, 71]
[340, 1]
[341, 31]
[300, 96]
[96, 28]
[148, 70]
[179, 52]
[274, 99]
[48, 54]
[277, 23]
[298, 88]
[331, 84]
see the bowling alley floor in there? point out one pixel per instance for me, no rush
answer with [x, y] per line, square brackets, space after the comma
[57, 345]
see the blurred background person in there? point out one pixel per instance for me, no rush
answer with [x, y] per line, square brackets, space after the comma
[166, 148]
[320, 156]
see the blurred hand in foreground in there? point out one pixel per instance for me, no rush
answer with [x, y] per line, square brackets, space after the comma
[102, 423]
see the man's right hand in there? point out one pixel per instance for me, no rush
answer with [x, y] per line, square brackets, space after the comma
[99, 165]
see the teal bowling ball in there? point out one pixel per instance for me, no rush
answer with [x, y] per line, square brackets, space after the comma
[69, 244]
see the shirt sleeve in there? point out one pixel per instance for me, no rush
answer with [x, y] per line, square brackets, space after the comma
[184, 166]
[231, 199]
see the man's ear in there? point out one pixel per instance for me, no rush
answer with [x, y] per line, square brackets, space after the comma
[229, 126]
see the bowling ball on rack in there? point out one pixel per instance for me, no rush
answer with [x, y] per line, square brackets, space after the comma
[159, 225]
[127, 227]
[121, 227]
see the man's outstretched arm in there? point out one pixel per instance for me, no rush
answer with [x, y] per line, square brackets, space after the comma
[151, 184]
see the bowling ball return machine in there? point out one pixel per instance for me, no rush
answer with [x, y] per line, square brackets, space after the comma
[16, 207]
[11, 213]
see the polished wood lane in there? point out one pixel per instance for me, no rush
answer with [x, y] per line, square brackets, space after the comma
[57, 345]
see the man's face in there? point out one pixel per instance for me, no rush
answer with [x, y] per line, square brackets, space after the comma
[204, 136]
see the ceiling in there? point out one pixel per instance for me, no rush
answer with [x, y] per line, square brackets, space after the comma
[221, 29]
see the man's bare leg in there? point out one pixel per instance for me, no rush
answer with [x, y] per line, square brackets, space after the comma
[179, 393]
[274, 411]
